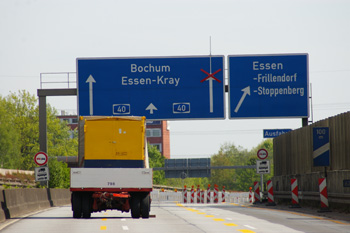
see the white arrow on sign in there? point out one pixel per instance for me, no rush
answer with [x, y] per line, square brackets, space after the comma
[151, 108]
[91, 80]
[246, 91]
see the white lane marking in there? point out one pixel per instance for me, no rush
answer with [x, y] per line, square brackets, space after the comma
[253, 228]
[125, 228]
[123, 219]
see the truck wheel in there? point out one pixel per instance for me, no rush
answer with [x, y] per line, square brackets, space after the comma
[145, 206]
[135, 206]
[86, 205]
[77, 204]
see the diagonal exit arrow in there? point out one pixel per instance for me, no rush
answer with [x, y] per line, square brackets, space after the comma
[91, 80]
[246, 91]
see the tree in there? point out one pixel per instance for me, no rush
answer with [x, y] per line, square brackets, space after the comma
[238, 179]
[156, 160]
[19, 137]
[23, 113]
[9, 139]
[246, 177]
[228, 155]
[59, 174]
[58, 136]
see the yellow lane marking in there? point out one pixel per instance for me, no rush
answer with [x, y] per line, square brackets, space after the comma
[219, 219]
[230, 224]
[104, 219]
[234, 204]
[338, 222]
[246, 231]
[201, 213]
[209, 216]
[193, 210]
[103, 228]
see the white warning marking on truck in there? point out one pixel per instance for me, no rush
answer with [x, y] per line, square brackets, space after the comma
[121, 131]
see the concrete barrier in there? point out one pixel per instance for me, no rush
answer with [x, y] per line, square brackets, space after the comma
[24, 201]
[2, 212]
[17, 202]
[60, 197]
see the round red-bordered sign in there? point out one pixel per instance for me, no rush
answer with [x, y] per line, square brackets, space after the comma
[41, 158]
[262, 154]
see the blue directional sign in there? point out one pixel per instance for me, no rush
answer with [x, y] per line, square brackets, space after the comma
[156, 87]
[272, 133]
[268, 86]
[321, 148]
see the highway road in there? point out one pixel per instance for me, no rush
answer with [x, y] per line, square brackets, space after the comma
[171, 217]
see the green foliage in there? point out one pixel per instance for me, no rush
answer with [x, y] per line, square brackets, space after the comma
[156, 160]
[22, 115]
[9, 138]
[228, 155]
[189, 182]
[59, 174]
[19, 137]
[239, 179]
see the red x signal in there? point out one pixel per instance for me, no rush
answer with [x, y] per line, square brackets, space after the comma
[210, 75]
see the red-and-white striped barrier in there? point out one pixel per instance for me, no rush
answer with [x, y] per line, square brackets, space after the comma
[192, 194]
[256, 193]
[322, 183]
[198, 194]
[216, 194]
[202, 196]
[185, 194]
[270, 197]
[208, 194]
[223, 194]
[295, 193]
[251, 197]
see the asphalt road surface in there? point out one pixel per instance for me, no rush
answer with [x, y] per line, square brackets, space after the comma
[168, 217]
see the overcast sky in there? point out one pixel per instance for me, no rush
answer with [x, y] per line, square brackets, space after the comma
[39, 36]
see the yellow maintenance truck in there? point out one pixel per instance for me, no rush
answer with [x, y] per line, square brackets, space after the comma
[113, 170]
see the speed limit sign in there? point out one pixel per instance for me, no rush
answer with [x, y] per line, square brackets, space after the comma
[262, 154]
[41, 158]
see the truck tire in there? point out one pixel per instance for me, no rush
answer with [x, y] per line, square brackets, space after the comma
[87, 205]
[135, 206]
[145, 206]
[77, 204]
